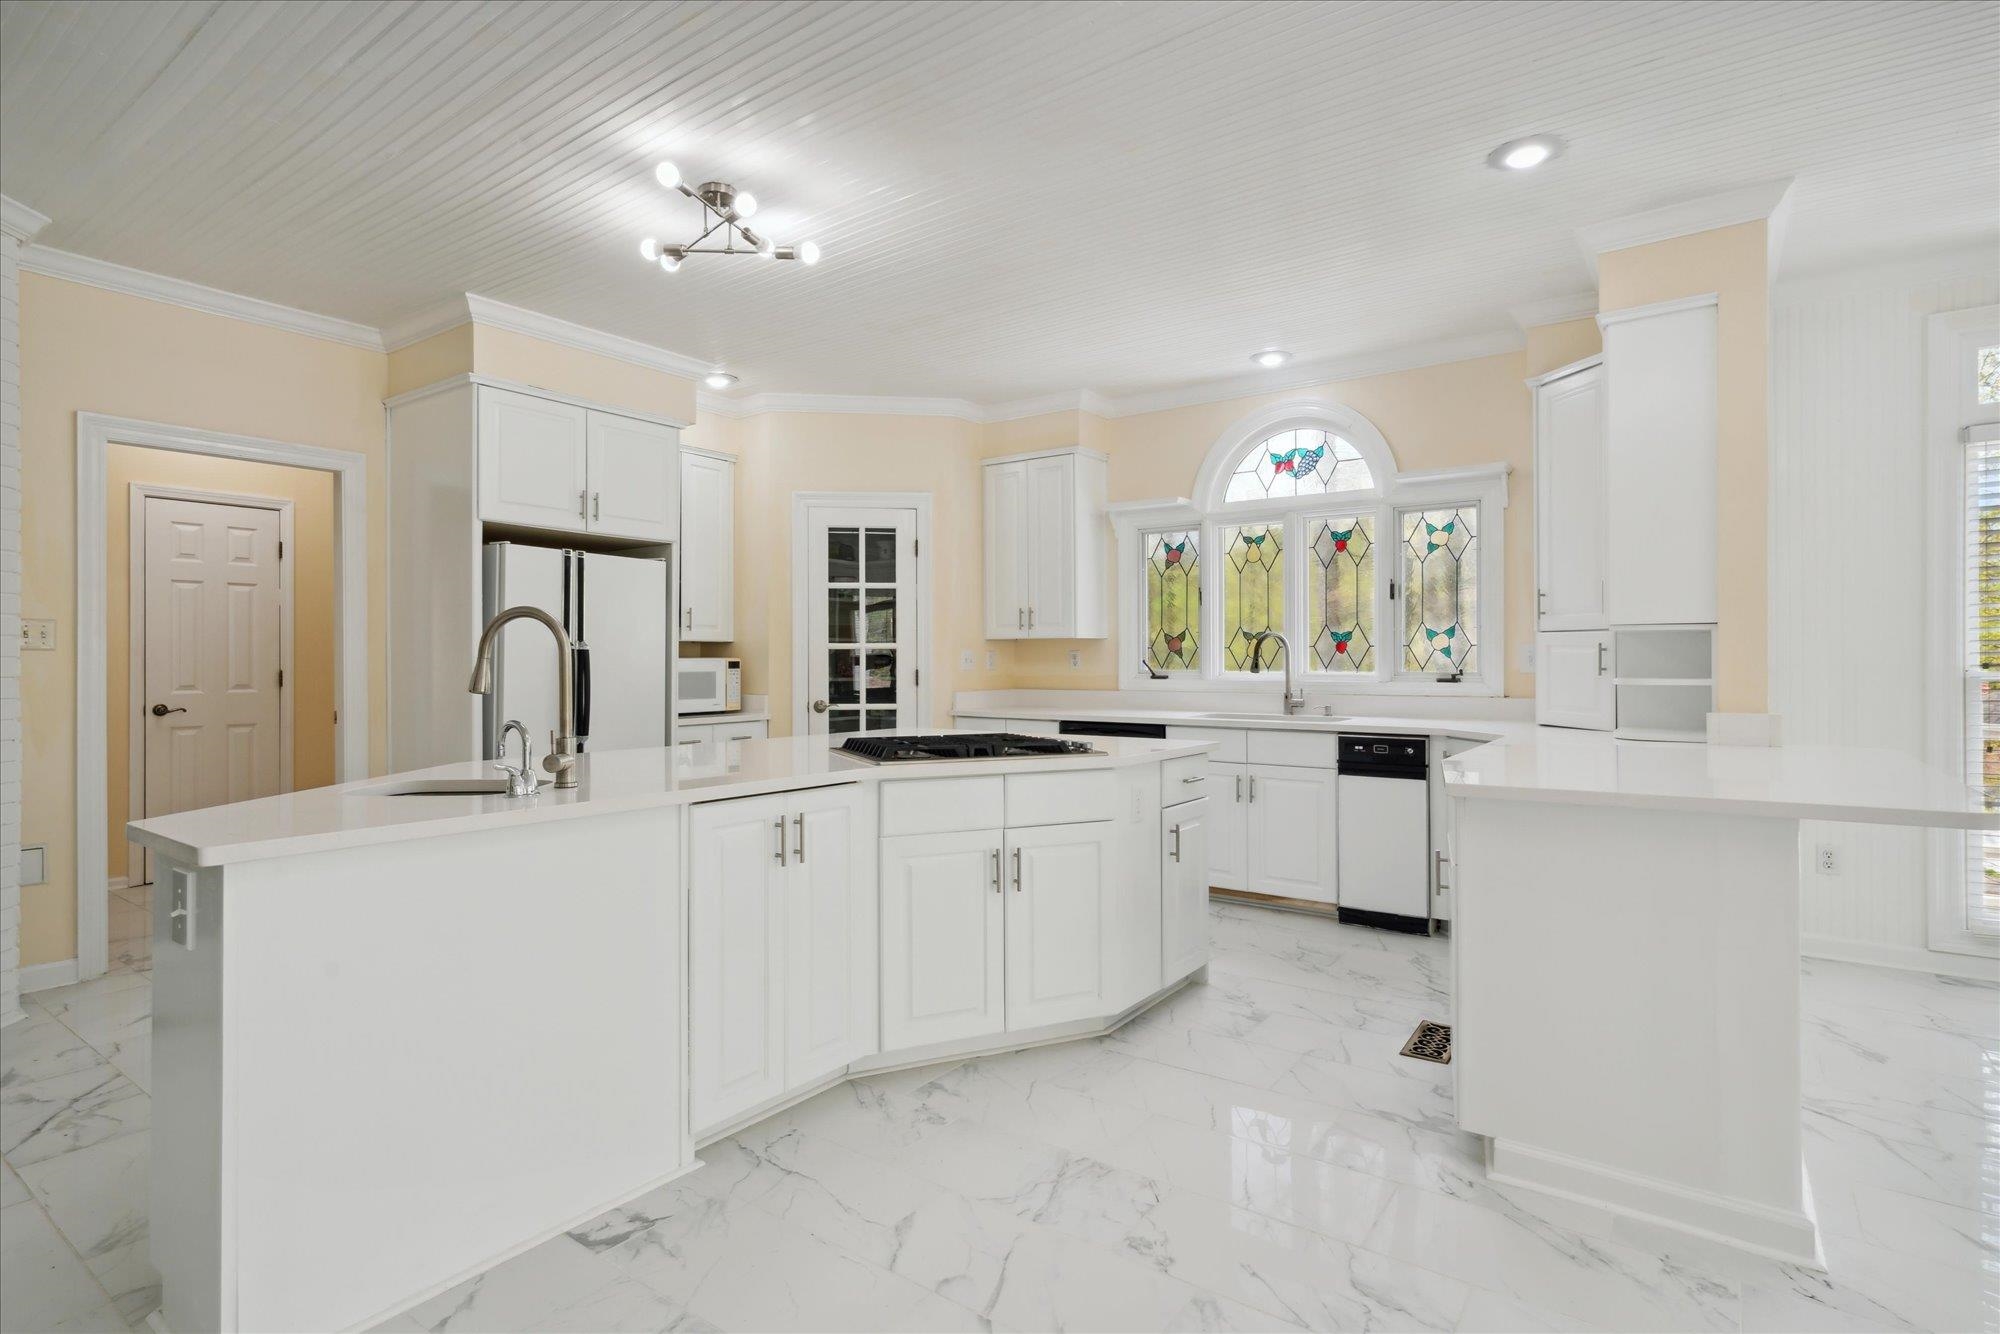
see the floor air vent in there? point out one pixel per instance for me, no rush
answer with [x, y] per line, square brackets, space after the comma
[1431, 1042]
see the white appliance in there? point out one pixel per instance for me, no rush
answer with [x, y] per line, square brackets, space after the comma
[1384, 819]
[710, 685]
[619, 614]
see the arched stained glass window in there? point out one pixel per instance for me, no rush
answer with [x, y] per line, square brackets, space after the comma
[1300, 462]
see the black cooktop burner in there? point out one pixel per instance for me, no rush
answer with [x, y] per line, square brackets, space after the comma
[970, 746]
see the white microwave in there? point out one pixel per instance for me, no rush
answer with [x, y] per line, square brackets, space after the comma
[710, 685]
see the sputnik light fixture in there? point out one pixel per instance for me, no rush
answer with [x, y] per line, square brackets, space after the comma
[724, 209]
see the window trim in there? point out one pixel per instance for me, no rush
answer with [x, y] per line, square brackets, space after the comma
[1484, 487]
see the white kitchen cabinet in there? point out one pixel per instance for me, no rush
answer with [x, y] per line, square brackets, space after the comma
[1045, 546]
[1059, 880]
[944, 945]
[533, 461]
[781, 935]
[1570, 581]
[1229, 826]
[1660, 463]
[1291, 832]
[1574, 680]
[707, 552]
[634, 478]
[1184, 880]
[717, 742]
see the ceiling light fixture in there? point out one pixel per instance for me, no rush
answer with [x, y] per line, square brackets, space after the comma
[718, 379]
[723, 210]
[1271, 358]
[1522, 154]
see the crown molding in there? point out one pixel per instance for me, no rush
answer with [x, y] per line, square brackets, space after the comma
[1767, 201]
[1554, 310]
[1891, 272]
[500, 315]
[19, 221]
[885, 405]
[111, 277]
[428, 322]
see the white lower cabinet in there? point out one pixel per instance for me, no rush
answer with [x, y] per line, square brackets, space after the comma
[1184, 854]
[1229, 826]
[1059, 880]
[1291, 832]
[1574, 680]
[781, 946]
[944, 943]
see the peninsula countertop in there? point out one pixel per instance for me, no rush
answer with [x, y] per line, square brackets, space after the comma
[360, 813]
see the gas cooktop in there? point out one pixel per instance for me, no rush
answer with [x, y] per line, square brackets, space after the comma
[964, 746]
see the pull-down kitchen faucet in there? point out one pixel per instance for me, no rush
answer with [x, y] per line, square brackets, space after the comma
[1295, 700]
[561, 759]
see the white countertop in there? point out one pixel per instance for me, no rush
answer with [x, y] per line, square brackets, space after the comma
[358, 814]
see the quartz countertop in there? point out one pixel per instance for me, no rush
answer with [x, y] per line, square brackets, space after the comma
[360, 814]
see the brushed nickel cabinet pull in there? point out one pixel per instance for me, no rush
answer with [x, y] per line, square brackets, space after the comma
[779, 825]
[799, 851]
[1017, 870]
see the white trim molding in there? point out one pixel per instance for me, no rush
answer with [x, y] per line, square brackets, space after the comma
[1767, 201]
[19, 221]
[111, 277]
[43, 976]
[95, 434]
[1554, 310]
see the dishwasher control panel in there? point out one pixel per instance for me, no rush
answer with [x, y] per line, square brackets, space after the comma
[1397, 756]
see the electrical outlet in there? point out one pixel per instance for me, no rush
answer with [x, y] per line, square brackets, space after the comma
[965, 661]
[1524, 657]
[992, 659]
[1075, 658]
[1825, 860]
[38, 634]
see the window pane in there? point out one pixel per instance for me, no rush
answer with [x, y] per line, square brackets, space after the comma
[880, 720]
[1441, 590]
[880, 548]
[841, 607]
[881, 615]
[1173, 600]
[1989, 375]
[843, 555]
[843, 720]
[840, 687]
[882, 677]
[1298, 463]
[1340, 595]
[1253, 590]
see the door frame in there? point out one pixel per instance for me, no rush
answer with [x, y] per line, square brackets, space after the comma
[95, 434]
[803, 503]
[135, 639]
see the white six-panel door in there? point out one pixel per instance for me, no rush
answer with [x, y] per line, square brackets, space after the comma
[829, 963]
[634, 474]
[1184, 859]
[1291, 832]
[1056, 886]
[532, 461]
[736, 955]
[943, 937]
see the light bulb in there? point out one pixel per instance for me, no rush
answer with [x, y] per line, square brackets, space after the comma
[1271, 358]
[808, 252]
[767, 247]
[1522, 154]
[649, 250]
[718, 379]
[667, 174]
[670, 263]
[1527, 155]
[744, 204]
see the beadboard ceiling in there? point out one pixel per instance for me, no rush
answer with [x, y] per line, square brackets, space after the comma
[1015, 199]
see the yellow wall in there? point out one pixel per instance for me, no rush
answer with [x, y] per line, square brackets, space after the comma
[438, 357]
[1553, 345]
[1731, 262]
[506, 355]
[88, 350]
[312, 559]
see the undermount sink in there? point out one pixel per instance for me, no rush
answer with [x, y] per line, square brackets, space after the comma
[439, 787]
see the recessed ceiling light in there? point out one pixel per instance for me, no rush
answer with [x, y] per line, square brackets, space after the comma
[718, 379]
[1271, 358]
[1522, 154]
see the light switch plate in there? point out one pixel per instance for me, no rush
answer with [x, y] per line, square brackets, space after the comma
[34, 864]
[1524, 657]
[965, 661]
[38, 634]
[992, 659]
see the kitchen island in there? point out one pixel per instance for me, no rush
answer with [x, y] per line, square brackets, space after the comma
[398, 1038]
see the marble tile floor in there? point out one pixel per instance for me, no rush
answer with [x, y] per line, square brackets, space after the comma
[1253, 1154]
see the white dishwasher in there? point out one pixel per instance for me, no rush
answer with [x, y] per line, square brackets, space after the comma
[1384, 816]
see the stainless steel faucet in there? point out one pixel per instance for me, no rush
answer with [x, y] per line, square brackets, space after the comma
[1295, 700]
[520, 782]
[561, 759]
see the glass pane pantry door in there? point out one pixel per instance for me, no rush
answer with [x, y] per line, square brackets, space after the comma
[861, 624]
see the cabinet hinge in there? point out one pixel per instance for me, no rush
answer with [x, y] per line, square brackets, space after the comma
[916, 546]
[917, 677]
[281, 548]
[1392, 590]
[281, 678]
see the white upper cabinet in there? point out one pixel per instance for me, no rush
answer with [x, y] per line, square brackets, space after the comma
[1569, 501]
[1660, 470]
[633, 477]
[707, 551]
[569, 469]
[1045, 547]
[533, 463]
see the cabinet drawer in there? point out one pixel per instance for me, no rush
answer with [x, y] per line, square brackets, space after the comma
[1060, 798]
[942, 805]
[1184, 779]
[1300, 750]
[1231, 745]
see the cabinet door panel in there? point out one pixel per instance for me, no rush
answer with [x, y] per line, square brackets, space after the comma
[634, 474]
[1660, 468]
[1051, 547]
[1291, 832]
[829, 941]
[1006, 551]
[707, 550]
[1573, 680]
[736, 956]
[1570, 501]
[943, 938]
[1184, 856]
[1056, 905]
[531, 461]
[1229, 826]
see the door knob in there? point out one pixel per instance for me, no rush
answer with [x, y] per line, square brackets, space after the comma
[161, 710]
[819, 706]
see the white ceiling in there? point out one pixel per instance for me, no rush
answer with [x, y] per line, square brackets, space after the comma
[1015, 199]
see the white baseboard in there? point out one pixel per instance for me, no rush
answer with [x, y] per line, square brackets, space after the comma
[118, 882]
[42, 976]
[1913, 958]
[13, 1016]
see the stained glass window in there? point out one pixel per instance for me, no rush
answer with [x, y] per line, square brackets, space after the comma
[1173, 600]
[1340, 595]
[1989, 375]
[1441, 590]
[1303, 462]
[1253, 590]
